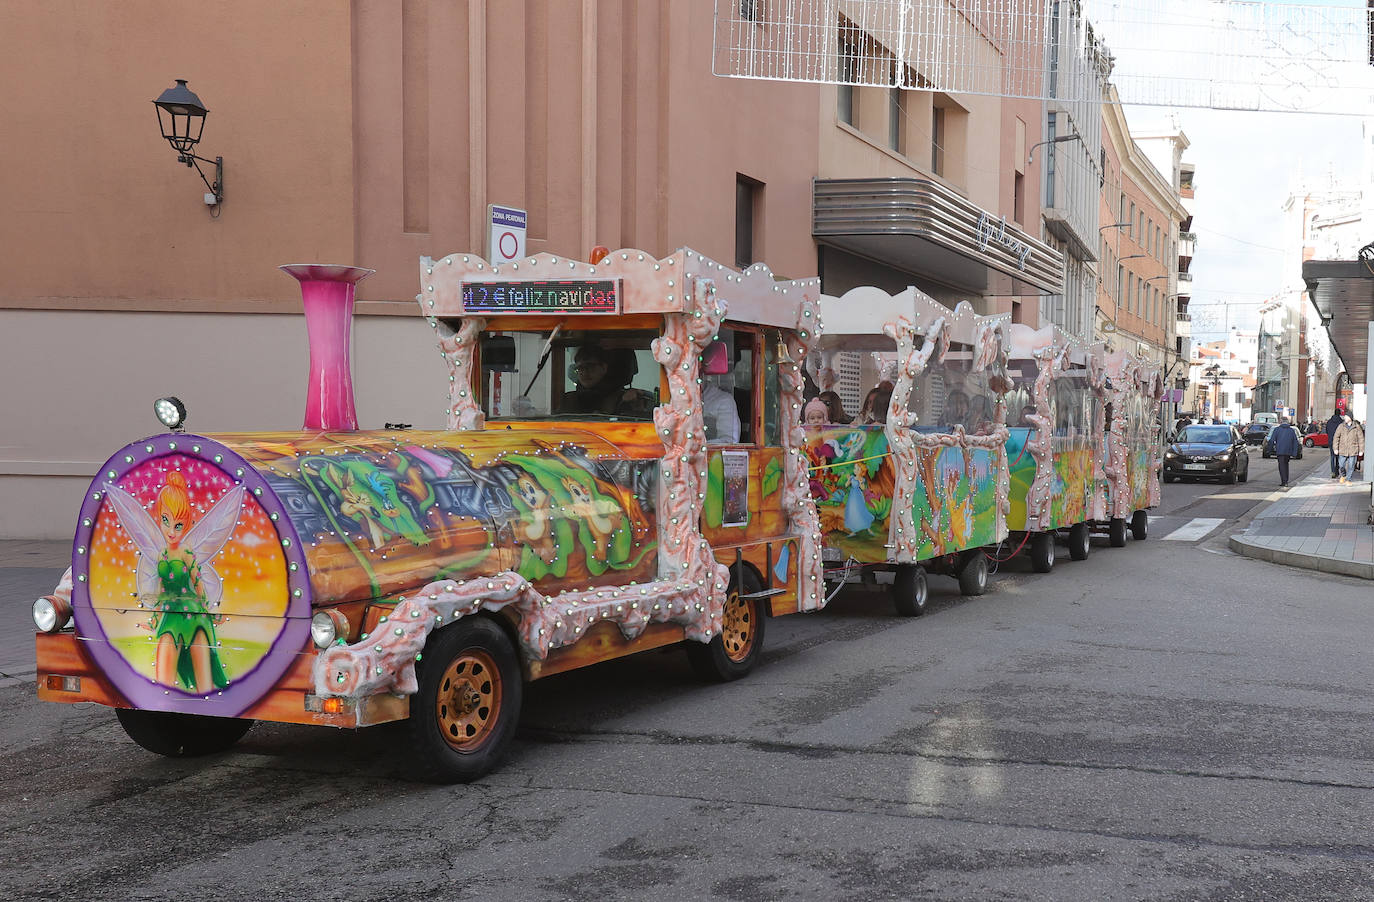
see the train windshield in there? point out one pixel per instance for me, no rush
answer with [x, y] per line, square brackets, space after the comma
[567, 374]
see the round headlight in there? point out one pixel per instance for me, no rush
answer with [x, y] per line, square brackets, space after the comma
[326, 627]
[170, 412]
[51, 614]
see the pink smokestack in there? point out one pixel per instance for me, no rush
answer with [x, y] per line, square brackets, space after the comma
[327, 293]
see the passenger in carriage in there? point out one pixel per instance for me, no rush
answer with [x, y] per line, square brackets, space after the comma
[834, 409]
[815, 413]
[874, 409]
[980, 416]
[956, 408]
[718, 407]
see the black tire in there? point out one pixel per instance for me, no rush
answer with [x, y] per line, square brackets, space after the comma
[1233, 477]
[736, 649]
[1245, 474]
[973, 575]
[464, 715]
[1140, 525]
[1042, 552]
[1080, 541]
[181, 735]
[910, 590]
[1307, 443]
[1116, 532]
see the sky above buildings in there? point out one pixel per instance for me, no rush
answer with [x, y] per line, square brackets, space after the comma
[1248, 164]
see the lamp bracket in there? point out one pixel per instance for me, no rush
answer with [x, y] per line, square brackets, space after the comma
[217, 186]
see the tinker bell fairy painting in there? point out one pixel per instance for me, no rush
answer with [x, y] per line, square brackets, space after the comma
[177, 578]
[188, 579]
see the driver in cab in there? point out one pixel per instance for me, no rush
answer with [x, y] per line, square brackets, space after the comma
[603, 377]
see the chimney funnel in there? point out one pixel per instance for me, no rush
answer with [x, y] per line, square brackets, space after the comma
[327, 295]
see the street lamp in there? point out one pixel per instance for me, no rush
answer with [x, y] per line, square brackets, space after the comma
[1213, 372]
[181, 116]
[1060, 139]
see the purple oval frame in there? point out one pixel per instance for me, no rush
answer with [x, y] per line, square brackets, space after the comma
[293, 639]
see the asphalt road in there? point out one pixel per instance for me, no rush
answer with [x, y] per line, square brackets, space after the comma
[1164, 721]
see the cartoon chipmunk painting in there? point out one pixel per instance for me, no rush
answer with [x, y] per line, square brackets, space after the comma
[601, 515]
[537, 531]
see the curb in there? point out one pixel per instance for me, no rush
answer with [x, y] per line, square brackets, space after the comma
[1319, 562]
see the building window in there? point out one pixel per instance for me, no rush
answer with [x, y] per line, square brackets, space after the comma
[748, 195]
[894, 120]
[1018, 199]
[937, 140]
[847, 95]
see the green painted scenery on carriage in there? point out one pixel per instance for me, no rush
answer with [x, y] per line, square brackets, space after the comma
[955, 501]
[1021, 472]
[851, 479]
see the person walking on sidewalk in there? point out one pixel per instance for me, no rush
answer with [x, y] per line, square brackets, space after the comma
[1286, 445]
[1331, 426]
[1348, 443]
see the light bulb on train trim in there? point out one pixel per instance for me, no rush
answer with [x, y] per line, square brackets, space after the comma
[170, 412]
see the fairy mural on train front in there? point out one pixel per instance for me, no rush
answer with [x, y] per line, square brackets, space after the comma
[852, 481]
[187, 581]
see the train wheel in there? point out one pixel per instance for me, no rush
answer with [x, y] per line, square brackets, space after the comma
[466, 711]
[1080, 541]
[1042, 552]
[1116, 532]
[910, 590]
[1140, 525]
[734, 652]
[181, 735]
[973, 576]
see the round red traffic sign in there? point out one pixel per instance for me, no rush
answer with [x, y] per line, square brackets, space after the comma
[508, 245]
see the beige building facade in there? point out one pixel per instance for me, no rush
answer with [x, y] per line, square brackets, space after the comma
[374, 132]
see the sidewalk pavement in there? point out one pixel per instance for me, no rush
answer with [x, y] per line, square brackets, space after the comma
[1317, 524]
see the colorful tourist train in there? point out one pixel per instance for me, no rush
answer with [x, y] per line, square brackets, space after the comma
[627, 464]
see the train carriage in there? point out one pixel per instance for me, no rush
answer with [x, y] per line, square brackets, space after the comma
[924, 489]
[1132, 453]
[1054, 447]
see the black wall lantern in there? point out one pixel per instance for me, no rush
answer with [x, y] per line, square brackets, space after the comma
[181, 116]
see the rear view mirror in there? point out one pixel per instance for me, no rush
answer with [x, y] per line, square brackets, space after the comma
[498, 353]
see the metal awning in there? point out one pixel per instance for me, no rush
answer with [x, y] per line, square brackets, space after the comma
[925, 227]
[1343, 293]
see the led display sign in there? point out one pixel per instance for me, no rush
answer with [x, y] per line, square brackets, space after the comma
[601, 296]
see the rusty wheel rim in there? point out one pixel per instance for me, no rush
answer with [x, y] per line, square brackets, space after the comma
[737, 627]
[468, 703]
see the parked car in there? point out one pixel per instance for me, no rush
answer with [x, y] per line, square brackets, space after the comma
[1268, 449]
[1316, 438]
[1257, 433]
[1207, 452]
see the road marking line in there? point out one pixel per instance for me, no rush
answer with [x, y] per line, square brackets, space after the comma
[1194, 529]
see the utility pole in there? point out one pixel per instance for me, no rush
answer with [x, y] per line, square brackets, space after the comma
[1214, 373]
